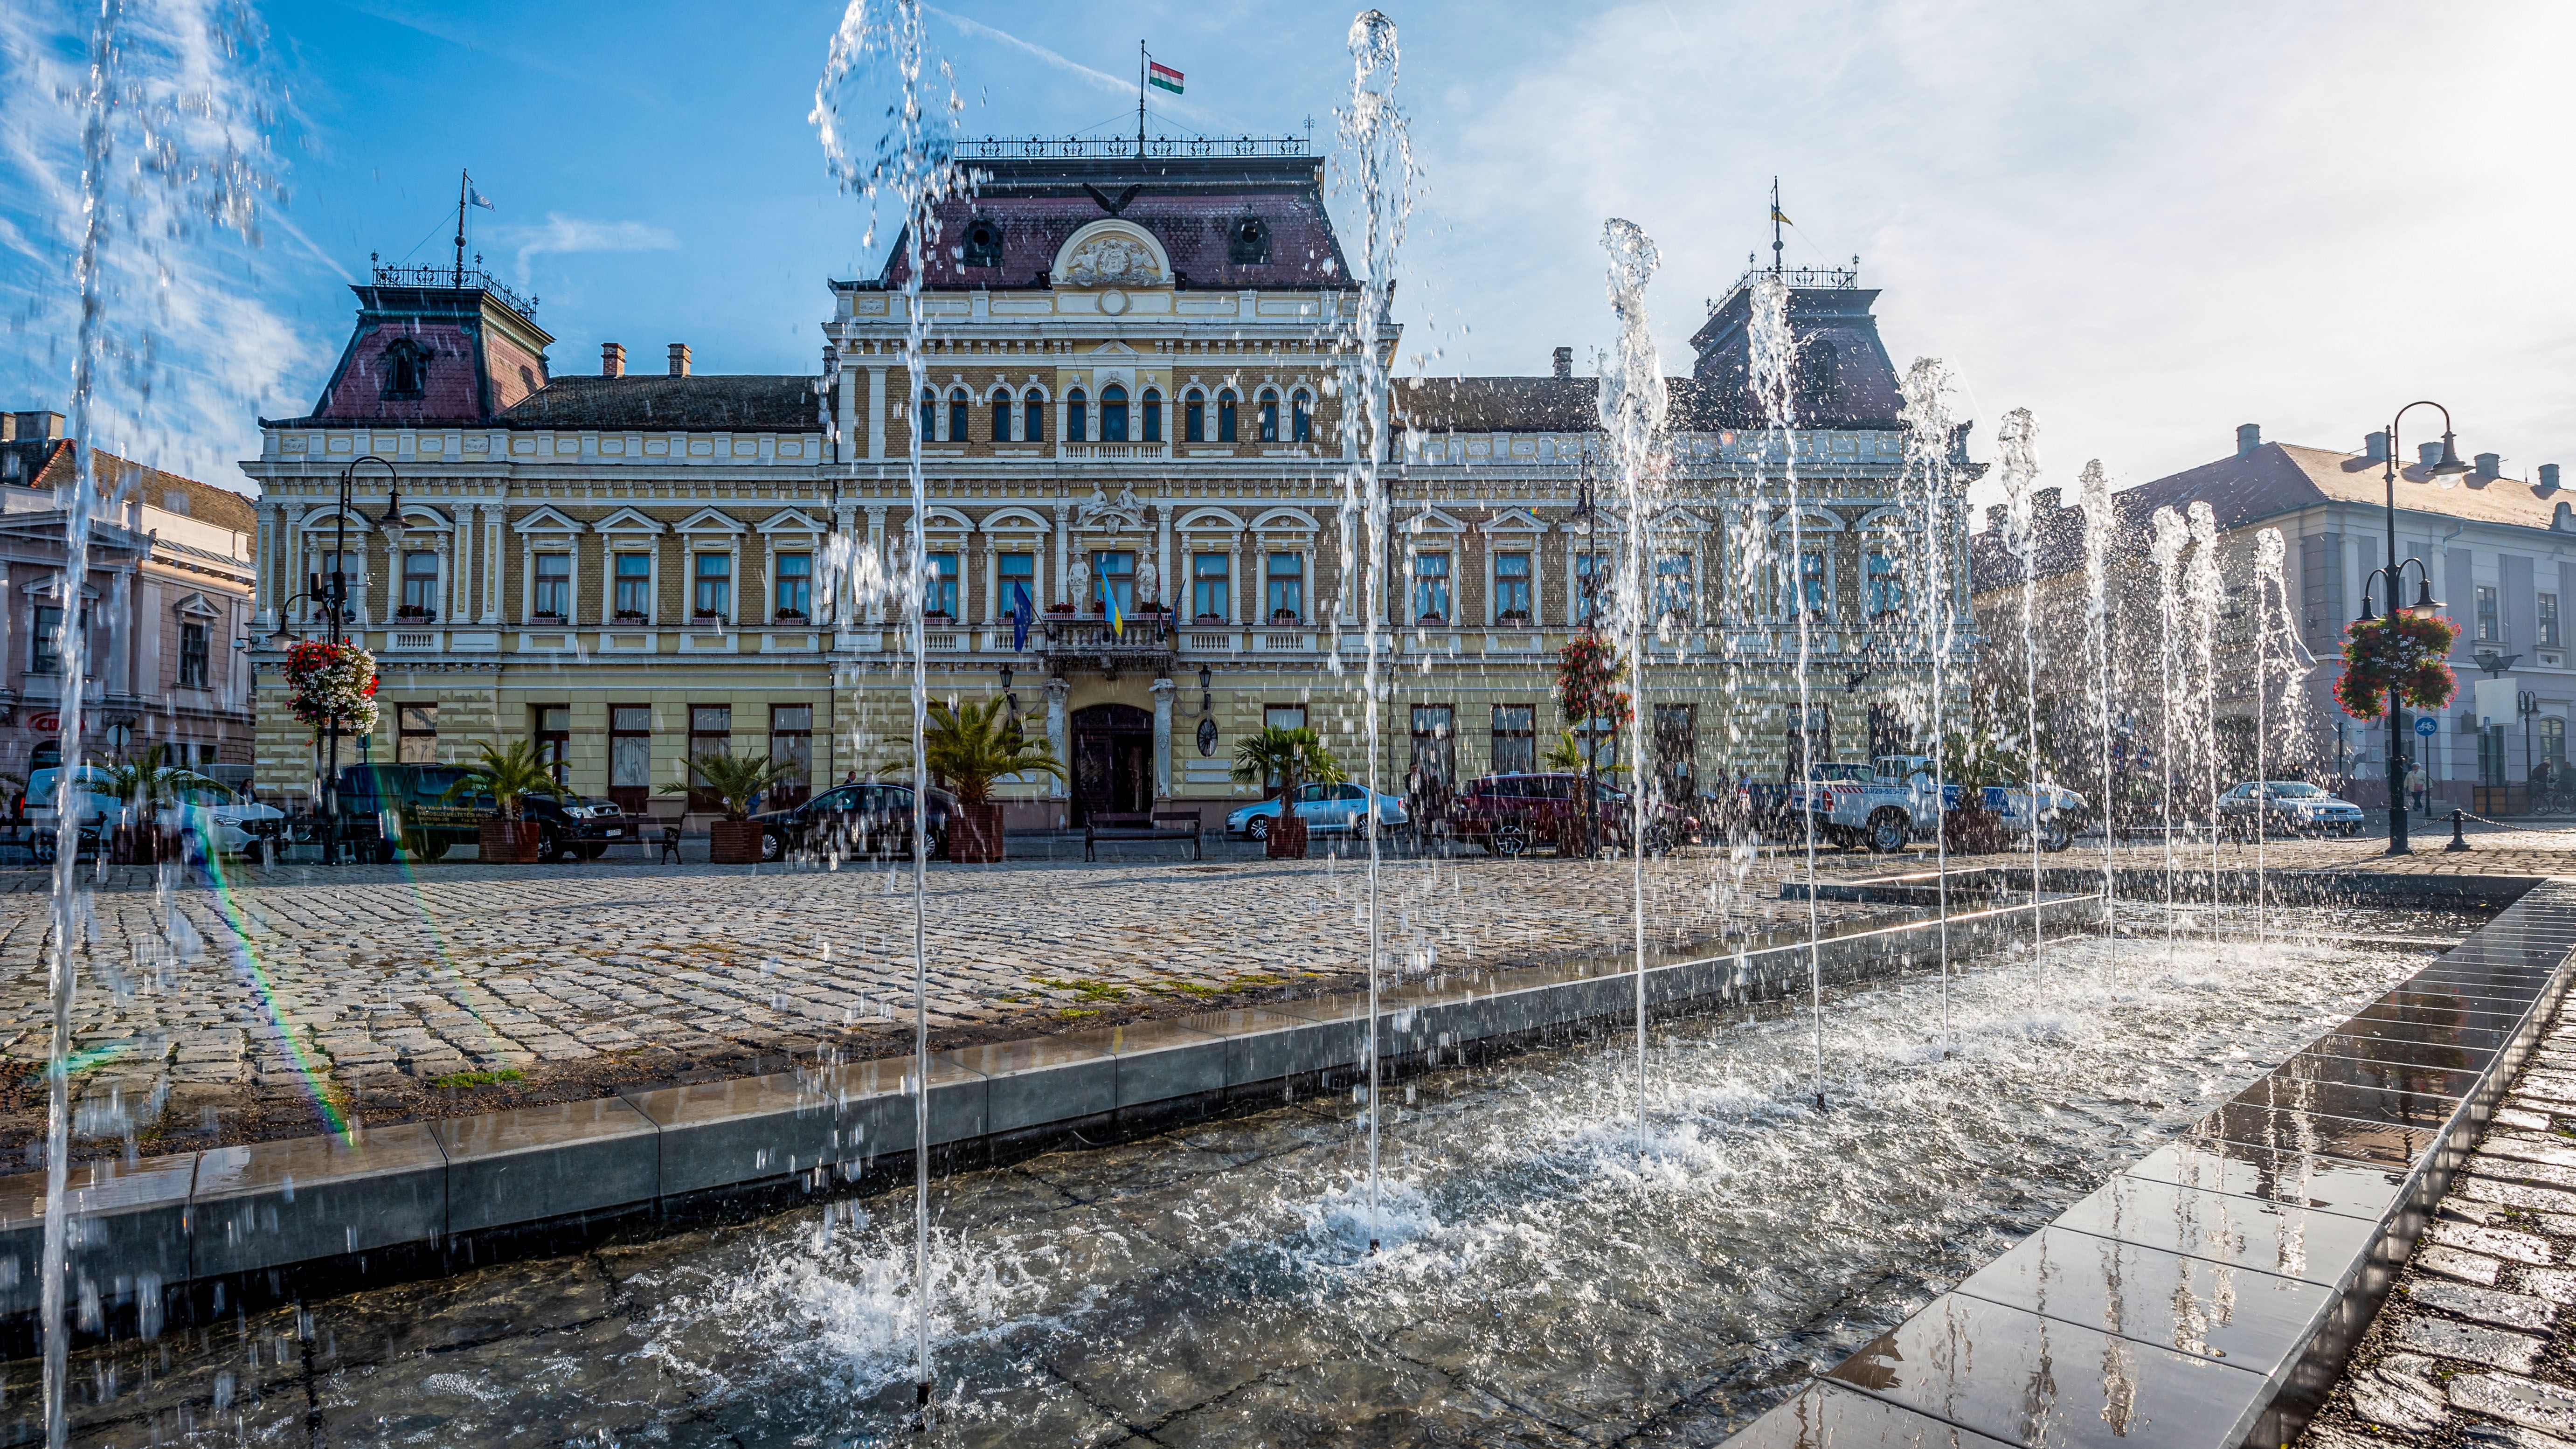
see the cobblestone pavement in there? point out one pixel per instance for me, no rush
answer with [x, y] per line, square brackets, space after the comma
[256, 1006]
[2471, 1348]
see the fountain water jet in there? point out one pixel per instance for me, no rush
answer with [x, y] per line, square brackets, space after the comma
[2017, 442]
[2203, 580]
[1928, 429]
[2166, 549]
[2100, 519]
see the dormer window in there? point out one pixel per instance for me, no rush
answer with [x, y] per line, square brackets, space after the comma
[406, 369]
[983, 244]
[1247, 242]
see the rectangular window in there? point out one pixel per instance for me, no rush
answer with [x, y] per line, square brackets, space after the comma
[1153, 411]
[1076, 420]
[1591, 580]
[1001, 417]
[710, 733]
[1113, 576]
[939, 585]
[791, 743]
[795, 587]
[630, 756]
[2549, 620]
[553, 586]
[714, 598]
[1033, 419]
[1225, 417]
[1511, 588]
[2553, 740]
[1016, 572]
[1886, 586]
[2488, 627]
[44, 648]
[550, 726]
[415, 734]
[420, 584]
[1431, 588]
[1209, 597]
[1515, 739]
[1287, 587]
[193, 652]
[1809, 590]
[1194, 419]
[634, 587]
[1435, 754]
[1673, 586]
[339, 571]
[1113, 416]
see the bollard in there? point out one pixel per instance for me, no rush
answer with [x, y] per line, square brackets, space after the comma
[2459, 837]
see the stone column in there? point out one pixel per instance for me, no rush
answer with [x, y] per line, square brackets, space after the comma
[491, 512]
[876, 611]
[1163, 738]
[119, 673]
[845, 409]
[1063, 546]
[845, 526]
[876, 412]
[1248, 584]
[1059, 735]
[992, 586]
[271, 519]
[1163, 558]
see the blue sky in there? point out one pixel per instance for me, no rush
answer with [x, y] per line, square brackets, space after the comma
[2147, 226]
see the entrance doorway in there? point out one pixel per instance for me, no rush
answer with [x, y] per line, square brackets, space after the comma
[1113, 761]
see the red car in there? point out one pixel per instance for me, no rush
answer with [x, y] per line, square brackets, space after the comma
[1508, 814]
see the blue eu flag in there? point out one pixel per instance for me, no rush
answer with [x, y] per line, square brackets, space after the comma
[1022, 614]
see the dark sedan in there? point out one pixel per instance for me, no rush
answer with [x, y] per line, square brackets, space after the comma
[852, 820]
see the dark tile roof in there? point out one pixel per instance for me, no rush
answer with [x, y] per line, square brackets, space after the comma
[50, 462]
[1192, 206]
[1844, 377]
[720, 402]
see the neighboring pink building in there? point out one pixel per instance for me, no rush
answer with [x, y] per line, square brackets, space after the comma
[166, 597]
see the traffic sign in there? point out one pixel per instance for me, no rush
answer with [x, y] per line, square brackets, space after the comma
[2427, 726]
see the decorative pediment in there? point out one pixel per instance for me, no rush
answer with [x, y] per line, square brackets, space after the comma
[51, 586]
[631, 520]
[1434, 520]
[1885, 520]
[1515, 520]
[1285, 520]
[1212, 520]
[1014, 520]
[940, 519]
[196, 606]
[789, 520]
[547, 519]
[1124, 513]
[710, 520]
[1115, 350]
[1809, 520]
[1112, 254]
[421, 518]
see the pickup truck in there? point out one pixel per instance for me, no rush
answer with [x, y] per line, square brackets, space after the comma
[1890, 802]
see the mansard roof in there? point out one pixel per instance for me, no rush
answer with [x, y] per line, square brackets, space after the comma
[1843, 376]
[1195, 207]
[720, 402]
[431, 355]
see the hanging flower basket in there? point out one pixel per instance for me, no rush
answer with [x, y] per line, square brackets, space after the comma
[1588, 676]
[2403, 653]
[327, 681]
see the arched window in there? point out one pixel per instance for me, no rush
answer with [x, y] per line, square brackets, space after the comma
[1002, 416]
[1269, 416]
[1153, 409]
[1032, 417]
[1301, 418]
[1075, 428]
[1225, 416]
[406, 369]
[1193, 417]
[958, 402]
[1113, 414]
[929, 422]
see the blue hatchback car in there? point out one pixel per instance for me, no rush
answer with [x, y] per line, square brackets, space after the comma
[1326, 809]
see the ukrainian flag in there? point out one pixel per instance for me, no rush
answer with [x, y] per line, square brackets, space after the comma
[1117, 617]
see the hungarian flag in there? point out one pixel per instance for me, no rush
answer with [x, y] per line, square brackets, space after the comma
[1163, 75]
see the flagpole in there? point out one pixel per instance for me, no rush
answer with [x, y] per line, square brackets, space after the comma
[463, 183]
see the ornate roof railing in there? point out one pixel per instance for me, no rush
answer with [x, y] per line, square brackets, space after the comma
[459, 279]
[1111, 148]
[1802, 278]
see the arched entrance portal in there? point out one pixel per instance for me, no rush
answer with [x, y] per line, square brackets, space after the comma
[1113, 760]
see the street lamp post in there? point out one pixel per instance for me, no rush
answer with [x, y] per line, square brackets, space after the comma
[332, 597]
[2445, 467]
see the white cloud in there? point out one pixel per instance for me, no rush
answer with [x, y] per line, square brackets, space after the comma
[561, 233]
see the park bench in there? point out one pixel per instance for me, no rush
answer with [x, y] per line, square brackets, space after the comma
[1103, 825]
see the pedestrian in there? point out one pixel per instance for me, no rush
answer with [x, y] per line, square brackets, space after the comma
[2416, 784]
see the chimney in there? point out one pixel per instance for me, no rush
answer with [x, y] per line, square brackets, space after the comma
[2548, 479]
[2045, 501]
[2490, 467]
[2249, 436]
[8, 427]
[2428, 454]
[612, 359]
[679, 359]
[2374, 448]
[1562, 365]
[39, 427]
[1995, 516]
[2562, 519]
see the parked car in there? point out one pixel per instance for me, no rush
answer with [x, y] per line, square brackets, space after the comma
[1890, 801]
[1326, 809]
[2287, 807]
[218, 821]
[1508, 814]
[411, 811]
[863, 819]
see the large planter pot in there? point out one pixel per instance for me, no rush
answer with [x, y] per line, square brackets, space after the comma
[1973, 830]
[1287, 838]
[140, 845]
[512, 842]
[733, 842]
[975, 833]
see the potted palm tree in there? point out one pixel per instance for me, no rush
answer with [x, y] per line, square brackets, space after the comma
[733, 780]
[145, 782]
[509, 776]
[1292, 757]
[968, 748]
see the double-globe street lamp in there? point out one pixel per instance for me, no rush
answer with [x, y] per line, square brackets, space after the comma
[330, 596]
[2447, 466]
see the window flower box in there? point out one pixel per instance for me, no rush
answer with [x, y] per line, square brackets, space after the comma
[707, 621]
[542, 617]
[1283, 616]
[792, 616]
[1209, 619]
[1513, 618]
[414, 614]
[629, 616]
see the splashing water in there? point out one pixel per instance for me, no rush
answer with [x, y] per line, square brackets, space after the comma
[1374, 135]
[2101, 519]
[913, 166]
[2017, 445]
[2201, 578]
[2166, 549]
[1928, 432]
